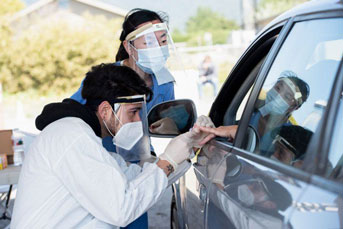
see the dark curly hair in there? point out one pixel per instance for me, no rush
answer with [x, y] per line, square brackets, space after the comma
[297, 136]
[106, 82]
[133, 19]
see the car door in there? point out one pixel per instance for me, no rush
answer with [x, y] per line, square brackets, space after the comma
[321, 205]
[194, 187]
[270, 166]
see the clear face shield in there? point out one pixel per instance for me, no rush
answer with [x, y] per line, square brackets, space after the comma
[284, 96]
[153, 50]
[132, 137]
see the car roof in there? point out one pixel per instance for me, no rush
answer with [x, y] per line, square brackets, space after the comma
[310, 7]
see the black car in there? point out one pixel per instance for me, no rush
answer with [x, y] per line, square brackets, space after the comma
[284, 99]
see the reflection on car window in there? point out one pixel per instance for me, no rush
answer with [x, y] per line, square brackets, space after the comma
[234, 112]
[247, 195]
[335, 157]
[296, 90]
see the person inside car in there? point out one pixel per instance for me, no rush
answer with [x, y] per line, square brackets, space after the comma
[275, 110]
[290, 144]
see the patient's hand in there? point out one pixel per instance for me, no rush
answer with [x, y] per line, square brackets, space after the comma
[221, 131]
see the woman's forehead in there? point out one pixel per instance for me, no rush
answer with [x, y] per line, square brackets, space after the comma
[153, 22]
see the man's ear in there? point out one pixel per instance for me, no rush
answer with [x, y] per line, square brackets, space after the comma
[127, 46]
[104, 110]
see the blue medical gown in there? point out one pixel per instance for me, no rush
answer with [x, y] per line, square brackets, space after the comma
[161, 93]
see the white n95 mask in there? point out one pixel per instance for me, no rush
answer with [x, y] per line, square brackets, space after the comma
[245, 195]
[128, 135]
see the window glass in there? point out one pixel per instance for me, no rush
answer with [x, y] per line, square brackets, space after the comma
[335, 157]
[296, 90]
[235, 111]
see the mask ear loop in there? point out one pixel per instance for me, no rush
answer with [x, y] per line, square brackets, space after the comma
[133, 56]
[115, 115]
[116, 107]
[107, 128]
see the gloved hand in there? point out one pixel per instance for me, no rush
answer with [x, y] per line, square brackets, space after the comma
[164, 126]
[178, 150]
[181, 147]
[199, 137]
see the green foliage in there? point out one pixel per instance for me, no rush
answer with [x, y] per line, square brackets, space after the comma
[268, 8]
[205, 21]
[208, 20]
[10, 6]
[178, 36]
[56, 56]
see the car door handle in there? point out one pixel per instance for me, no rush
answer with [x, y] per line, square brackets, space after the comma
[202, 196]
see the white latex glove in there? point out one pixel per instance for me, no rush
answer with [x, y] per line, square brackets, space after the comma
[181, 147]
[178, 150]
[198, 137]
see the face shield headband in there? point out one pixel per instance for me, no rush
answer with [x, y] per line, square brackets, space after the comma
[286, 144]
[146, 29]
[295, 89]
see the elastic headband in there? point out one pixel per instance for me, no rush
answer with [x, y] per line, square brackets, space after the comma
[148, 28]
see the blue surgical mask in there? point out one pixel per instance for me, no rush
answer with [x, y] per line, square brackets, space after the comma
[151, 60]
[178, 113]
[275, 104]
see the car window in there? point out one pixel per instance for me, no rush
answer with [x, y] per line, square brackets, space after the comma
[296, 90]
[234, 112]
[335, 156]
[224, 110]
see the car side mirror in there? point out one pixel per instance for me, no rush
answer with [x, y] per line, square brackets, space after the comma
[171, 118]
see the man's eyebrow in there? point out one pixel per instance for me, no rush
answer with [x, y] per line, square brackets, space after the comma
[136, 108]
[163, 35]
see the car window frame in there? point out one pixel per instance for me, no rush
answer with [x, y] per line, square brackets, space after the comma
[249, 58]
[308, 173]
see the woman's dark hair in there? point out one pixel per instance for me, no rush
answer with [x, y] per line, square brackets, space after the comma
[106, 82]
[132, 20]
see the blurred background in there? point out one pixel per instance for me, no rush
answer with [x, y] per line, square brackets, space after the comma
[47, 46]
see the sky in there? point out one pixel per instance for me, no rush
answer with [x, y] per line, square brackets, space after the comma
[178, 10]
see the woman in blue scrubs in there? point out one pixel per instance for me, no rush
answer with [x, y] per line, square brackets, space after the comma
[135, 52]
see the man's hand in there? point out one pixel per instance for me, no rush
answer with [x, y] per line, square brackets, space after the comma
[165, 166]
[197, 135]
[180, 147]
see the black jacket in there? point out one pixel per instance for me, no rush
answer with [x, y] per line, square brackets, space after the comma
[68, 108]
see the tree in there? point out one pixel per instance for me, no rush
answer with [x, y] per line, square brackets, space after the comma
[56, 56]
[206, 21]
[269, 8]
[10, 6]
